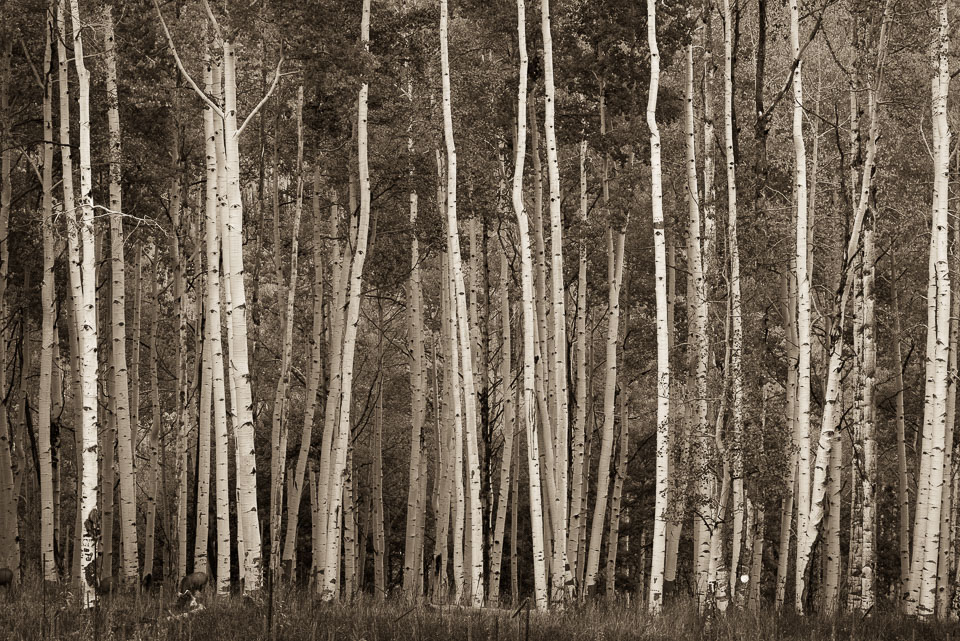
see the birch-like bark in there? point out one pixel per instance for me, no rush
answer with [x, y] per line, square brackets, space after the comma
[698, 340]
[281, 398]
[128, 504]
[213, 137]
[736, 317]
[314, 374]
[868, 433]
[577, 513]
[416, 508]
[48, 562]
[558, 357]
[508, 430]
[243, 405]
[338, 470]
[87, 323]
[529, 318]
[463, 329]
[658, 555]
[615, 499]
[937, 480]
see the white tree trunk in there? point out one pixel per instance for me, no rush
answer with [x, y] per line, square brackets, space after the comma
[529, 313]
[663, 347]
[47, 339]
[339, 450]
[87, 322]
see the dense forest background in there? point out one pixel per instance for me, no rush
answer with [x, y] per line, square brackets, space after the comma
[319, 174]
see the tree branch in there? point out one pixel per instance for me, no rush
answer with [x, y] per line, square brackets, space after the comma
[266, 97]
[173, 49]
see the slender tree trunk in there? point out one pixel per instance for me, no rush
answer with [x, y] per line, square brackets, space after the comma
[280, 422]
[47, 340]
[314, 374]
[152, 486]
[463, 329]
[577, 514]
[615, 499]
[128, 498]
[663, 354]
[736, 317]
[243, 405]
[213, 135]
[529, 319]
[558, 368]
[87, 325]
[338, 470]
[508, 429]
[903, 494]
[937, 480]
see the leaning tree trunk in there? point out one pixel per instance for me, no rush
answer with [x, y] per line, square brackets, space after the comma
[339, 449]
[281, 399]
[314, 374]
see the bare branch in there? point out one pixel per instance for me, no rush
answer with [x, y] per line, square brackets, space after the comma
[276, 80]
[216, 109]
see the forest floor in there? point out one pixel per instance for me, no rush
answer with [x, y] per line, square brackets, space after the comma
[32, 614]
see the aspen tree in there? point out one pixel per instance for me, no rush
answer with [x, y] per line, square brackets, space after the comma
[152, 485]
[615, 248]
[339, 450]
[803, 300]
[233, 244]
[736, 316]
[416, 499]
[202, 518]
[86, 318]
[869, 550]
[340, 273]
[379, 540]
[314, 374]
[47, 339]
[940, 278]
[903, 495]
[528, 304]
[578, 491]
[615, 498]
[663, 354]
[948, 499]
[809, 531]
[280, 424]
[508, 428]
[698, 333]
[459, 304]
[128, 505]
[561, 574]
[212, 329]
[831, 536]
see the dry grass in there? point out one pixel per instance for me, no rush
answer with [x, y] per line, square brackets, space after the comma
[33, 614]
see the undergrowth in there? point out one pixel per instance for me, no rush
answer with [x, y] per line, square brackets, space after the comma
[35, 614]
